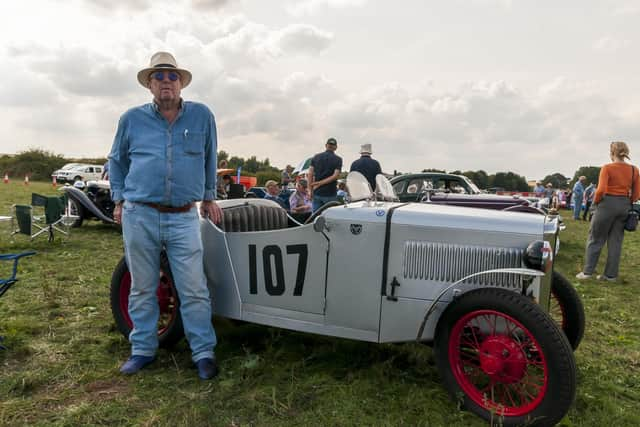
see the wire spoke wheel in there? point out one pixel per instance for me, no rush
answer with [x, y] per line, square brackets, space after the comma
[506, 358]
[566, 309]
[500, 367]
[167, 301]
[170, 329]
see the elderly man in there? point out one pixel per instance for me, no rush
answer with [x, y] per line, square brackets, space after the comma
[367, 166]
[578, 193]
[273, 191]
[323, 174]
[162, 161]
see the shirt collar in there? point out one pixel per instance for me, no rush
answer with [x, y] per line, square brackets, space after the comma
[156, 108]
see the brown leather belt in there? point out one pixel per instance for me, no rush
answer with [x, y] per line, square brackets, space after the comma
[170, 209]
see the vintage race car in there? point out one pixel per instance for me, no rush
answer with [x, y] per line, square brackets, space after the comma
[477, 284]
[90, 201]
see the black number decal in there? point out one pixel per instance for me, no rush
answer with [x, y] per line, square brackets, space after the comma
[253, 274]
[273, 251]
[272, 255]
[302, 266]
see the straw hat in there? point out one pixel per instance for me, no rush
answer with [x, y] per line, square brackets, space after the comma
[163, 61]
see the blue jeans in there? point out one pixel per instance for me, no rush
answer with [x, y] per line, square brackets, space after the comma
[146, 231]
[318, 201]
[577, 206]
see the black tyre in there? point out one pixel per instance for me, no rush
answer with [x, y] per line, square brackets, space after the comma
[77, 178]
[566, 309]
[170, 329]
[76, 208]
[505, 359]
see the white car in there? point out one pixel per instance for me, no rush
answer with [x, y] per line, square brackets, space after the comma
[66, 167]
[80, 173]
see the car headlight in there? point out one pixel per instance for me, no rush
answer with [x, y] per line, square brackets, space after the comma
[538, 255]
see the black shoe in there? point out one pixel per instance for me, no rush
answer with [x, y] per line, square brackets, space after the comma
[207, 368]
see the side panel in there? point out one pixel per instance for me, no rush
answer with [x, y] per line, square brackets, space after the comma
[425, 261]
[355, 270]
[401, 319]
[219, 271]
[283, 269]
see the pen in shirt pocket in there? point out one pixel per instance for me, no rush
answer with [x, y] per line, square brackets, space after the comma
[186, 133]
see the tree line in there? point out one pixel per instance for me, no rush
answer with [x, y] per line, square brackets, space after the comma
[39, 164]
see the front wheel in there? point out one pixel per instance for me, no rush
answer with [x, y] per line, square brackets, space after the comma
[170, 329]
[566, 309]
[505, 359]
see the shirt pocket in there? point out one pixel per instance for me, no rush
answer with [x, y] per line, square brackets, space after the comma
[194, 143]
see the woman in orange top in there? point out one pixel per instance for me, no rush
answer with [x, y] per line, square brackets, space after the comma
[612, 199]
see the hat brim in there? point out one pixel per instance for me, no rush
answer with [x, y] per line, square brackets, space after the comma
[143, 75]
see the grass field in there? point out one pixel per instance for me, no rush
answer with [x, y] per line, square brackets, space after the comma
[61, 367]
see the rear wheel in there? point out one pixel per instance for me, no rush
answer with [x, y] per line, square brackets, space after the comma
[76, 208]
[566, 309]
[170, 329]
[505, 358]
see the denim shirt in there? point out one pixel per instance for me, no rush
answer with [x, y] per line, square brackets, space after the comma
[170, 164]
[578, 189]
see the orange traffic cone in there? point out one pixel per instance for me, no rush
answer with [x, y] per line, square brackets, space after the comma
[6, 178]
[55, 183]
[26, 180]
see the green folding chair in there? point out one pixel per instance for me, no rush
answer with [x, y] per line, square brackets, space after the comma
[55, 217]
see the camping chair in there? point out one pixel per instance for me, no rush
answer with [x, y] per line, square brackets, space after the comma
[55, 216]
[5, 284]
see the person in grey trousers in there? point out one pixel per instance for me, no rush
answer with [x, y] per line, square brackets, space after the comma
[618, 187]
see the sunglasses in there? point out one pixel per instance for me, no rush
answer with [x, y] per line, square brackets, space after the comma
[159, 75]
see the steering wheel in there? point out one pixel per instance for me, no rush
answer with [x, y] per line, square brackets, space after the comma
[322, 209]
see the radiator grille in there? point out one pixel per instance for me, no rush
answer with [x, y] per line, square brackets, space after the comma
[442, 262]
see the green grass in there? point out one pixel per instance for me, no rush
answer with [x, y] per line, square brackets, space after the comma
[64, 352]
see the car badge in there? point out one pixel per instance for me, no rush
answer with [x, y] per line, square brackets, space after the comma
[380, 212]
[356, 229]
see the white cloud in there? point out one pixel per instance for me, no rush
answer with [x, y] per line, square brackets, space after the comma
[109, 5]
[611, 44]
[210, 4]
[300, 39]
[309, 7]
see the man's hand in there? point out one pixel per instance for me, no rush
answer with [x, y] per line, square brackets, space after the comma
[210, 209]
[117, 213]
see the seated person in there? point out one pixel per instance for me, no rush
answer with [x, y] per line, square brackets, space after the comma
[272, 192]
[342, 194]
[222, 188]
[300, 200]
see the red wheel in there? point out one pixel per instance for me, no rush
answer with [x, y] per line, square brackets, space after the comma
[566, 309]
[169, 323]
[496, 361]
[506, 357]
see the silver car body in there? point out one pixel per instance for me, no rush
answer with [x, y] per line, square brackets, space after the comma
[371, 270]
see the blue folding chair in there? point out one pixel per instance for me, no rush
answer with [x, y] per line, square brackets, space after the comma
[5, 284]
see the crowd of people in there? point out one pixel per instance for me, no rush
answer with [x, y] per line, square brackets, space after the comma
[578, 200]
[320, 184]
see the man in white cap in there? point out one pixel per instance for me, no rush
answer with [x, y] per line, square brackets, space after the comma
[162, 161]
[367, 166]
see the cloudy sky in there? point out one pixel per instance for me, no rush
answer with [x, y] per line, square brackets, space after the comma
[531, 86]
